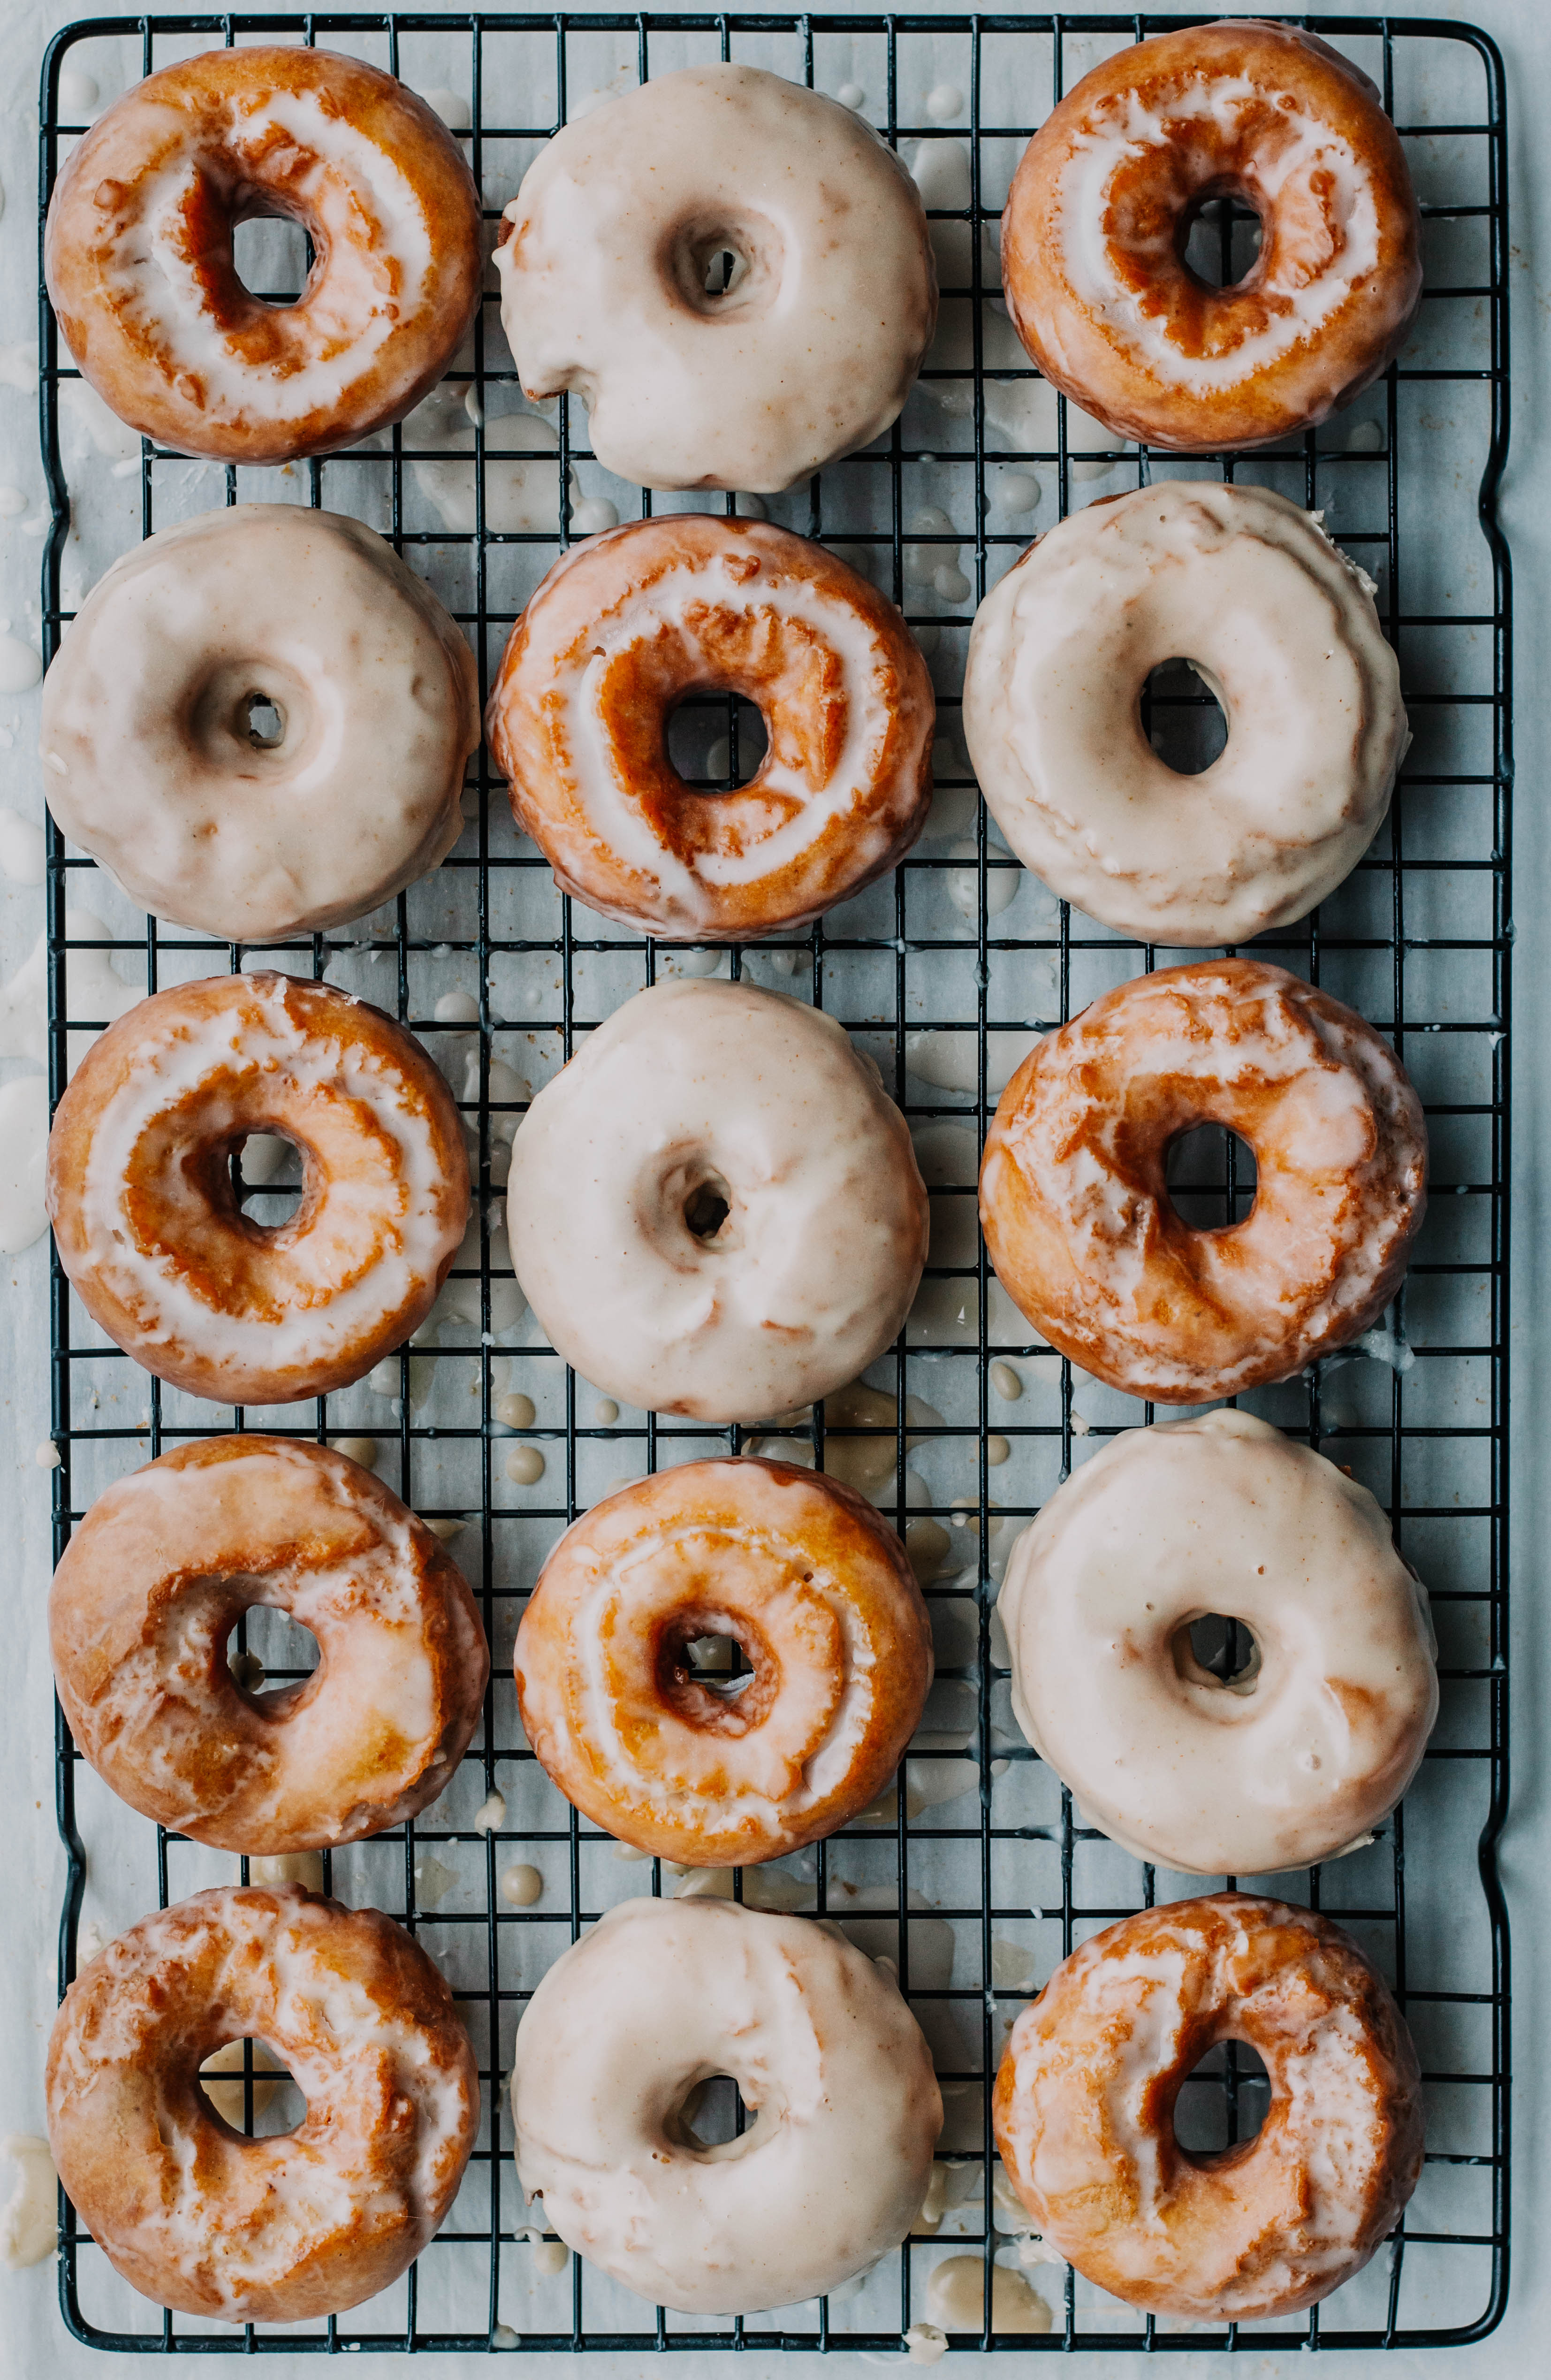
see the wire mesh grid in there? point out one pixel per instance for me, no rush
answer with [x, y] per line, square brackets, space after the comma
[979, 1875]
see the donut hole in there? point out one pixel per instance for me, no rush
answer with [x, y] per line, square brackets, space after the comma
[719, 268]
[1222, 2103]
[715, 1677]
[712, 2116]
[1215, 1650]
[1219, 238]
[1210, 1176]
[266, 727]
[716, 744]
[246, 2084]
[707, 1207]
[271, 257]
[1183, 719]
[267, 1178]
[269, 1655]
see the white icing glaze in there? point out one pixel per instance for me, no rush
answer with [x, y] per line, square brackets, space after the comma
[1304, 168]
[812, 1271]
[274, 2229]
[813, 349]
[1283, 628]
[1223, 1514]
[145, 723]
[660, 1995]
[370, 1244]
[150, 1589]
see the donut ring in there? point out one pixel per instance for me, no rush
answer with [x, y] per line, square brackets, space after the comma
[139, 1189]
[811, 349]
[154, 1580]
[656, 1998]
[1073, 1190]
[627, 624]
[155, 767]
[714, 1210]
[193, 2214]
[137, 253]
[815, 1590]
[1093, 234]
[1283, 628]
[1083, 2110]
[1304, 1752]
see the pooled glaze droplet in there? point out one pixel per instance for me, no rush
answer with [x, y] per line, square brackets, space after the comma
[945, 102]
[1006, 1382]
[514, 1410]
[358, 1450]
[593, 516]
[525, 1466]
[29, 2222]
[490, 1815]
[305, 1868]
[23, 1147]
[522, 1884]
[452, 107]
[20, 667]
[851, 94]
[456, 1008]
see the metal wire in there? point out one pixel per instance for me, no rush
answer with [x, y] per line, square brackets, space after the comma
[1444, 2281]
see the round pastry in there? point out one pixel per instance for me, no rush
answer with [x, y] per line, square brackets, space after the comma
[732, 272]
[139, 259]
[828, 2059]
[158, 1574]
[1097, 223]
[147, 1228]
[812, 1586]
[257, 723]
[714, 1210]
[1075, 1198]
[306, 2223]
[1313, 1742]
[1083, 2110]
[627, 624]
[1283, 628]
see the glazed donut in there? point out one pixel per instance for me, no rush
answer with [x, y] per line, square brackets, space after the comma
[811, 348]
[193, 2214]
[626, 623]
[815, 1590]
[154, 768]
[1094, 235]
[137, 253]
[1073, 1190]
[714, 1210]
[158, 1574]
[1283, 628]
[660, 1995]
[1301, 1754]
[1083, 2110]
[140, 1188]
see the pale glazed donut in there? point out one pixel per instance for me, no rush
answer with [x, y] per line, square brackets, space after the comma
[151, 763]
[812, 349]
[283, 2229]
[1073, 1189]
[139, 1189]
[813, 1585]
[1093, 234]
[1283, 628]
[626, 623]
[1306, 1750]
[698, 1097]
[660, 1995]
[139, 253]
[1084, 2110]
[158, 1574]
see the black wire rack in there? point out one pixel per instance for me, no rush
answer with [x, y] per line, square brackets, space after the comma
[980, 1874]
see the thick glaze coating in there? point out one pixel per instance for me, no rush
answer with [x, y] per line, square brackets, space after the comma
[660, 1995]
[811, 348]
[306, 2223]
[1314, 1742]
[1094, 235]
[699, 1099]
[1074, 1187]
[153, 1582]
[1281, 626]
[1084, 2110]
[150, 761]
[139, 1189]
[139, 264]
[628, 623]
[813, 1586]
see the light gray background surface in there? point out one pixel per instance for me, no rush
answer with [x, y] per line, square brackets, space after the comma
[32, 2342]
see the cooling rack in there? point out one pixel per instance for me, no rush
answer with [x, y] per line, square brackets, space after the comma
[980, 1874]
